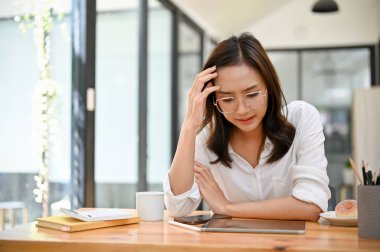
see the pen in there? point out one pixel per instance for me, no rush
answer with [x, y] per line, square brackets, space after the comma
[75, 212]
[184, 225]
[364, 174]
[370, 175]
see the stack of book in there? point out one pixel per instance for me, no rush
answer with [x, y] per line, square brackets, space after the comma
[69, 224]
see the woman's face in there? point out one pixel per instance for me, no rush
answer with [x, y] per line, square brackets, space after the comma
[243, 95]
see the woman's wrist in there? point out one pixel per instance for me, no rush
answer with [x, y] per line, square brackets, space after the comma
[189, 127]
[228, 208]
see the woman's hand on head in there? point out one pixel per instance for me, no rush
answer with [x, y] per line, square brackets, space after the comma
[197, 96]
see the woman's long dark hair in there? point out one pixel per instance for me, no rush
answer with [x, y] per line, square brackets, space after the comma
[246, 49]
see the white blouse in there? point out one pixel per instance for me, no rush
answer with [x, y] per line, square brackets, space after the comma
[301, 172]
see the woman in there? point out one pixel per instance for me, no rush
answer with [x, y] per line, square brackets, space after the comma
[240, 150]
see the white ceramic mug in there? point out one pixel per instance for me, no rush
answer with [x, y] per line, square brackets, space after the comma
[150, 206]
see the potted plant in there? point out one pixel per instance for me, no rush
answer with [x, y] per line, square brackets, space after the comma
[348, 174]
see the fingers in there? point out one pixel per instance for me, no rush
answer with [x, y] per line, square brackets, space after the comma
[200, 83]
[206, 71]
[202, 78]
[203, 185]
[197, 96]
[199, 164]
[209, 90]
[198, 177]
[203, 172]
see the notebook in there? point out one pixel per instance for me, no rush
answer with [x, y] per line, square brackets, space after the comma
[98, 214]
[236, 225]
[70, 224]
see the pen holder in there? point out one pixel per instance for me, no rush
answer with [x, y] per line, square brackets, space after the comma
[369, 211]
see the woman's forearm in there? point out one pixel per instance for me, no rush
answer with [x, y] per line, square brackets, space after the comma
[288, 208]
[181, 173]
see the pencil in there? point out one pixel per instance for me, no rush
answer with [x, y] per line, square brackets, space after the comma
[353, 165]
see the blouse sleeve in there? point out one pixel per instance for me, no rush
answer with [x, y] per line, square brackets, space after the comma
[185, 203]
[182, 204]
[310, 180]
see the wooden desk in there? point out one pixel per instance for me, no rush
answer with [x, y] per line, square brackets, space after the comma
[161, 236]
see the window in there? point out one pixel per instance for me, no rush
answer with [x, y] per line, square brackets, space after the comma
[19, 124]
[286, 64]
[326, 79]
[116, 117]
[189, 63]
[159, 93]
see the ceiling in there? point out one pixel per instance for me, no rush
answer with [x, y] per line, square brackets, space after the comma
[288, 23]
[223, 17]
[276, 23]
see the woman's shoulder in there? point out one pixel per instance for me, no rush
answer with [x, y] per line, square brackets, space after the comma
[301, 112]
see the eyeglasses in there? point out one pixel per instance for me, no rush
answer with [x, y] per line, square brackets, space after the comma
[229, 105]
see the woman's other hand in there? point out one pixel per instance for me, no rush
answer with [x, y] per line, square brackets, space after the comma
[210, 190]
[197, 96]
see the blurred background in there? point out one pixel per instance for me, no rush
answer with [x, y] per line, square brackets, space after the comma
[93, 93]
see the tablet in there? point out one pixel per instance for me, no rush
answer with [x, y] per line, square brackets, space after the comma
[255, 226]
[236, 225]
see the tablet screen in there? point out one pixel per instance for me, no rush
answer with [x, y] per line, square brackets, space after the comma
[255, 226]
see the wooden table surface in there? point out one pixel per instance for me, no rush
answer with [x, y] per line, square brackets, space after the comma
[161, 236]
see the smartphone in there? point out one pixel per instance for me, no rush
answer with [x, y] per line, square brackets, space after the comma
[194, 219]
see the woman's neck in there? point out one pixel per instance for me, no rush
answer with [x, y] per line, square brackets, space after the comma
[249, 145]
[256, 135]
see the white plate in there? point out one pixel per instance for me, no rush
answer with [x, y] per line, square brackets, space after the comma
[339, 221]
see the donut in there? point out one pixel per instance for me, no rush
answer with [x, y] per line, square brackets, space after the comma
[347, 208]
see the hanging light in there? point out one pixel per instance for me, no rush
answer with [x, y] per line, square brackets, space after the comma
[325, 6]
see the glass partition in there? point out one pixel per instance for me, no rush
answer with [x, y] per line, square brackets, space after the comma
[23, 128]
[116, 120]
[159, 93]
[286, 64]
[326, 79]
[189, 59]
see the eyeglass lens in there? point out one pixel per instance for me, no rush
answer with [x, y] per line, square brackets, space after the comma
[230, 104]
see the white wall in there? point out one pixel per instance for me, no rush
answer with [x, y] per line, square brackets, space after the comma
[365, 135]
[294, 25]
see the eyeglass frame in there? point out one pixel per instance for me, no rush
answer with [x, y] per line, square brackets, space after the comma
[227, 113]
